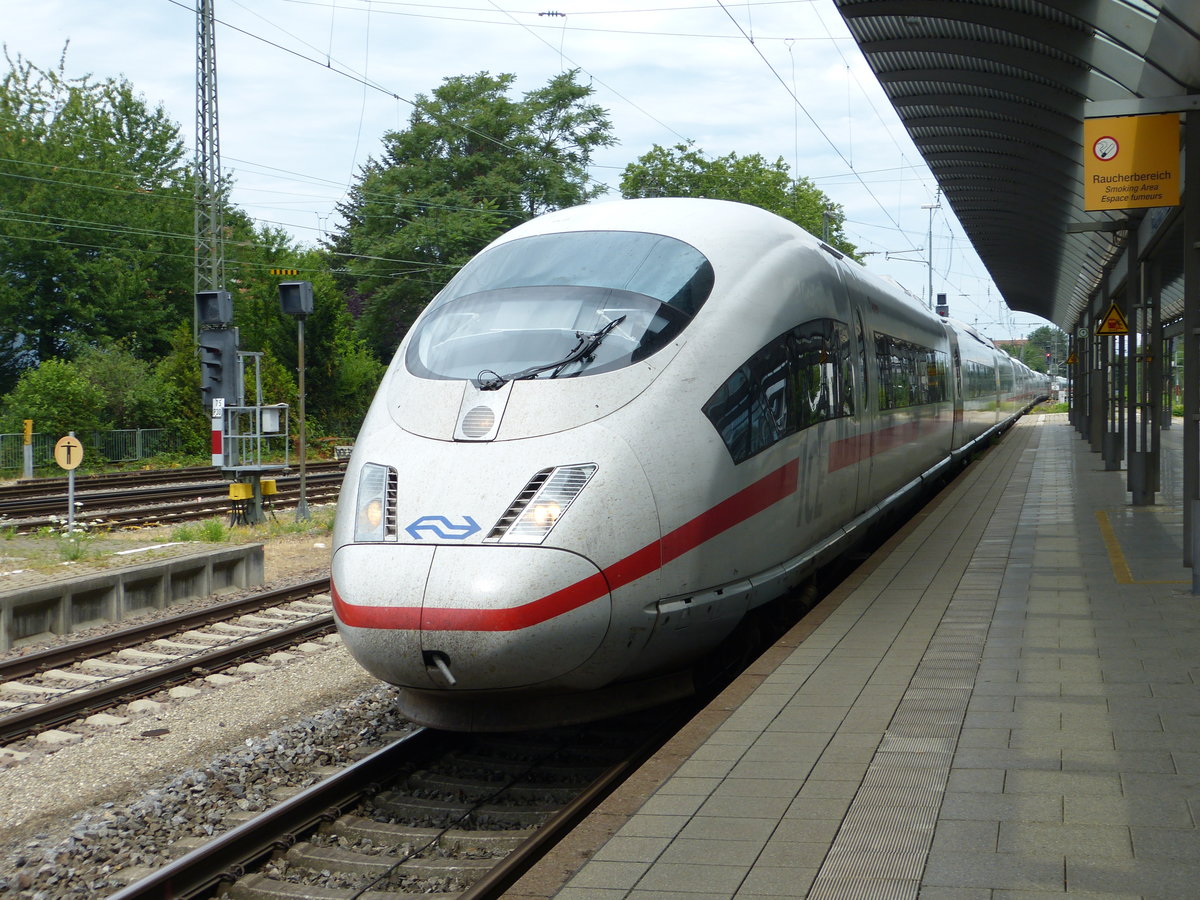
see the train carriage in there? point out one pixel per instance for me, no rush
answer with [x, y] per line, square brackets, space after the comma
[616, 432]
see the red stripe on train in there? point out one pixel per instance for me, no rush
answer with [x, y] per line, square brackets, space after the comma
[852, 450]
[747, 502]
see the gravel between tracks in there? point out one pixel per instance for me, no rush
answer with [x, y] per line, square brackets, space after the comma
[71, 816]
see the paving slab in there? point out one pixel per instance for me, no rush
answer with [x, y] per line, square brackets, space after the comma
[1003, 703]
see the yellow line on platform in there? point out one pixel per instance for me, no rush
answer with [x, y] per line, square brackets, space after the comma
[1116, 557]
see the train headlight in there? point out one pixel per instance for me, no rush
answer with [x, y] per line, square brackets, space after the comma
[541, 504]
[545, 513]
[375, 505]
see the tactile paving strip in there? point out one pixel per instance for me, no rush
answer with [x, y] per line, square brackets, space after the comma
[881, 848]
[880, 851]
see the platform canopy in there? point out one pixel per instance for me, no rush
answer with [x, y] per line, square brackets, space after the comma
[994, 94]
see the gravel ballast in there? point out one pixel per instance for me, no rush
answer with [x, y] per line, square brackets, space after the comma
[125, 794]
[78, 818]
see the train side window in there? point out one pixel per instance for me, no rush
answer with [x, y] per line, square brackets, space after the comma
[909, 374]
[773, 415]
[980, 380]
[729, 411]
[800, 378]
[1006, 377]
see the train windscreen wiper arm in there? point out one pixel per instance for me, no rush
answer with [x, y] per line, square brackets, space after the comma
[582, 352]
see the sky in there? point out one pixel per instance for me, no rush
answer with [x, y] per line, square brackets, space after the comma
[308, 88]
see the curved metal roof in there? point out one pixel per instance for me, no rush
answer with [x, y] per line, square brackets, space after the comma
[994, 93]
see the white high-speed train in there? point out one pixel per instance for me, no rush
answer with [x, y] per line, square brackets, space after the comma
[616, 432]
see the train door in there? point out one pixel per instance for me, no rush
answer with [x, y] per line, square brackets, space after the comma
[958, 435]
[865, 407]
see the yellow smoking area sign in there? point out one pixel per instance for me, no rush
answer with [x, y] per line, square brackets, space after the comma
[1130, 162]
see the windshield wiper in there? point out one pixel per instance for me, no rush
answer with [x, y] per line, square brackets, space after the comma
[582, 352]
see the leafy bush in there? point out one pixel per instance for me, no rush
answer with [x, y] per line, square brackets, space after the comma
[59, 398]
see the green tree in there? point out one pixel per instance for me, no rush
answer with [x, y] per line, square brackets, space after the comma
[472, 163]
[128, 385]
[178, 376]
[95, 218]
[59, 397]
[1048, 349]
[341, 376]
[105, 387]
[685, 171]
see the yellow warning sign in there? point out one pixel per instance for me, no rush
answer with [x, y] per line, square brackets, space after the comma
[1113, 322]
[1072, 359]
[285, 271]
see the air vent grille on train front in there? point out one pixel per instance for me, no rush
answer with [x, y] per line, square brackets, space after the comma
[540, 505]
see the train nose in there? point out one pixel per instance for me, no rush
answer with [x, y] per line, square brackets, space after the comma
[470, 617]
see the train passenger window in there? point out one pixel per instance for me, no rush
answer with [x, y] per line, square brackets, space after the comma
[796, 380]
[729, 411]
[773, 410]
[909, 374]
[519, 310]
[980, 380]
[1006, 378]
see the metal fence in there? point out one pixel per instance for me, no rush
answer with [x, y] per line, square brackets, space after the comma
[125, 445]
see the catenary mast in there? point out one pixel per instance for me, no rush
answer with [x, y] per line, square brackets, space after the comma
[209, 253]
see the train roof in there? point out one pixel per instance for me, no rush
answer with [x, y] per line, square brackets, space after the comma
[961, 326]
[708, 225]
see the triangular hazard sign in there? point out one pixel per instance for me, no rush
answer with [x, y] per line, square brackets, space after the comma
[1072, 359]
[1113, 322]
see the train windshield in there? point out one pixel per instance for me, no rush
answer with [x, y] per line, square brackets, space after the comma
[560, 305]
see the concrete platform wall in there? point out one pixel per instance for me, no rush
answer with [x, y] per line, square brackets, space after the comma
[62, 607]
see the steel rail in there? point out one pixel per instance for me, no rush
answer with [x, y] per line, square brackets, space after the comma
[109, 499]
[509, 870]
[51, 493]
[53, 657]
[155, 678]
[186, 474]
[225, 857]
[320, 488]
[228, 856]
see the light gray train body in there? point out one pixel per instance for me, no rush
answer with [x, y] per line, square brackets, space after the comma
[620, 429]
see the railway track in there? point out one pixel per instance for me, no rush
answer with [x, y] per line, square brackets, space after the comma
[432, 813]
[58, 685]
[126, 500]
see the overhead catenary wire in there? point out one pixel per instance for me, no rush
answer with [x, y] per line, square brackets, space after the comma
[361, 79]
[576, 13]
[325, 57]
[373, 84]
[258, 183]
[809, 115]
[421, 265]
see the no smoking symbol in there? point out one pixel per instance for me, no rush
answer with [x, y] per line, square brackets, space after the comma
[1106, 148]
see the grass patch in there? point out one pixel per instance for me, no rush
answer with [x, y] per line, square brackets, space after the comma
[73, 546]
[216, 531]
[209, 531]
[319, 521]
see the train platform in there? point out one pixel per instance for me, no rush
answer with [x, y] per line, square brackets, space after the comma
[1001, 703]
